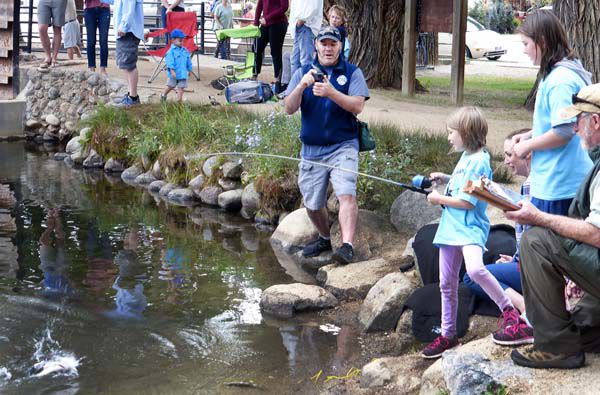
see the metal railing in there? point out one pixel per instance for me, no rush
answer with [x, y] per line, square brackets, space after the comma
[29, 38]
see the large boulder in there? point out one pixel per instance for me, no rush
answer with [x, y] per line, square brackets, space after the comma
[373, 232]
[182, 196]
[93, 161]
[74, 145]
[196, 185]
[384, 302]
[166, 189]
[210, 195]
[145, 178]
[250, 199]
[411, 211]
[209, 165]
[392, 375]
[231, 200]
[354, 281]
[131, 173]
[286, 299]
[156, 186]
[232, 170]
[295, 230]
[113, 166]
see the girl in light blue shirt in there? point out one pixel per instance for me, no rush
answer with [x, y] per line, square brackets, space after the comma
[558, 163]
[464, 227]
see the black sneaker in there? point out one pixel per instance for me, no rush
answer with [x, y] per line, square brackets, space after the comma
[316, 247]
[534, 358]
[344, 255]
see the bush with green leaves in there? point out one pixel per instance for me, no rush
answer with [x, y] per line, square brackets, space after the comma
[498, 16]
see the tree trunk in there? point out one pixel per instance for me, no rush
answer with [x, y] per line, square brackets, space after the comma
[376, 30]
[581, 19]
[430, 41]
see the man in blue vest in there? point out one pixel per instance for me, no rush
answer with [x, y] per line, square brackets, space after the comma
[329, 92]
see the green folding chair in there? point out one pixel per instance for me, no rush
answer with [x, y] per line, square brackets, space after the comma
[240, 72]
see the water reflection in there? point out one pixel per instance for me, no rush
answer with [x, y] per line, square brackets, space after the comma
[53, 261]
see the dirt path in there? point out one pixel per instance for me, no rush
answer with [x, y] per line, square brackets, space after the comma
[385, 106]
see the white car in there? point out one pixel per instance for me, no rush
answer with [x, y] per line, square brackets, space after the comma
[480, 42]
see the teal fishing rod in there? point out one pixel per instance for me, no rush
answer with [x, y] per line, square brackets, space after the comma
[420, 183]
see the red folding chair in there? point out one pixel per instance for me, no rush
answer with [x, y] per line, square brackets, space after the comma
[187, 22]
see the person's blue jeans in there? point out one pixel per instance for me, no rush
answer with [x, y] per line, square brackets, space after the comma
[304, 47]
[163, 17]
[507, 274]
[97, 18]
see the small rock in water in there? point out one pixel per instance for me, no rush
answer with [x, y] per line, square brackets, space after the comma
[156, 186]
[60, 156]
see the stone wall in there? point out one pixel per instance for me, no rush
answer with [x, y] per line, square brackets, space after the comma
[57, 99]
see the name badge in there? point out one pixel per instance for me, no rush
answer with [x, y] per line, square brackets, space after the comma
[341, 80]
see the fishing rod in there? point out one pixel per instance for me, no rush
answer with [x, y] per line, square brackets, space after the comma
[420, 183]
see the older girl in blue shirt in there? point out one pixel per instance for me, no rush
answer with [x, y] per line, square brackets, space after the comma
[464, 226]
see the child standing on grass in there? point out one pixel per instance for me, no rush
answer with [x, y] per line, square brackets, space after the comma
[179, 65]
[71, 31]
[464, 226]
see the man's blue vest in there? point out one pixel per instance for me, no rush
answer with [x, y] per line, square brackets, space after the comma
[323, 121]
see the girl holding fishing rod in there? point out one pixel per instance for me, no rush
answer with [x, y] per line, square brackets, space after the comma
[464, 227]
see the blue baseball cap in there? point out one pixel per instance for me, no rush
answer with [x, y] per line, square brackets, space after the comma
[329, 32]
[176, 33]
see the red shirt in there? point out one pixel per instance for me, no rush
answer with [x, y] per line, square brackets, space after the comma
[95, 3]
[272, 10]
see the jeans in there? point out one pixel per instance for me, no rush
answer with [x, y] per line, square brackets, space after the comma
[163, 17]
[507, 275]
[223, 48]
[97, 18]
[304, 47]
[273, 35]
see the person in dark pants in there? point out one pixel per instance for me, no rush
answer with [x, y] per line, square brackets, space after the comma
[270, 16]
[97, 18]
[169, 6]
[558, 247]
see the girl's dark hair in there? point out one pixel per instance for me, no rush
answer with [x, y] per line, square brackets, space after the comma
[547, 32]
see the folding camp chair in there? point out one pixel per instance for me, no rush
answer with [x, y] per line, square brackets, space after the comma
[187, 22]
[243, 71]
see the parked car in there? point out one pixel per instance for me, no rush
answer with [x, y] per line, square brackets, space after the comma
[481, 42]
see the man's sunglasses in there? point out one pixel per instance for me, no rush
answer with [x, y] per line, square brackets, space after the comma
[576, 99]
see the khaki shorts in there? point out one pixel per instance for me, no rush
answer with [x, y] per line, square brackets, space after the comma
[51, 12]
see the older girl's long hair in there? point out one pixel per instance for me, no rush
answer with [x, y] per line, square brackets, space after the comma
[548, 33]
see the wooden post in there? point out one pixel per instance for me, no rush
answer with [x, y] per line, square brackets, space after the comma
[9, 40]
[459, 31]
[409, 57]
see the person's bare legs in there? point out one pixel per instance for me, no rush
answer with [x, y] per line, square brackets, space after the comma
[103, 70]
[179, 95]
[45, 42]
[320, 219]
[78, 51]
[70, 52]
[348, 217]
[167, 90]
[56, 39]
[132, 81]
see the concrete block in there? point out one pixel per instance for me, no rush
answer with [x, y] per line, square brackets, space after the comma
[12, 114]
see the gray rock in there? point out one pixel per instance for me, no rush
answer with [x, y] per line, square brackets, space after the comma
[93, 161]
[375, 374]
[411, 211]
[295, 230]
[250, 199]
[69, 162]
[131, 173]
[63, 134]
[353, 281]
[210, 195]
[85, 133]
[231, 200]
[209, 164]
[285, 300]
[53, 93]
[181, 195]
[156, 170]
[52, 120]
[155, 186]
[71, 126]
[50, 137]
[196, 185]
[465, 373]
[233, 170]
[229, 185]
[79, 157]
[102, 91]
[74, 145]
[38, 139]
[113, 166]
[384, 302]
[166, 189]
[145, 178]
[60, 156]
[247, 214]
[93, 79]
[32, 124]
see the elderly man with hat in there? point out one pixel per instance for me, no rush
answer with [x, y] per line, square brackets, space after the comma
[329, 92]
[558, 247]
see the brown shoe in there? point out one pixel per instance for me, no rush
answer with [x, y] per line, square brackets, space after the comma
[534, 358]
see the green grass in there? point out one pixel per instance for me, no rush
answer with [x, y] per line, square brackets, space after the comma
[168, 133]
[482, 91]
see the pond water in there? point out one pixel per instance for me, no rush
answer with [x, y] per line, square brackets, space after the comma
[116, 292]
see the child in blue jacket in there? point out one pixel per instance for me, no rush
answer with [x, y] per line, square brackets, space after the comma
[179, 65]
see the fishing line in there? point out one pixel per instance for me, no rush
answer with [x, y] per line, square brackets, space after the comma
[236, 153]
